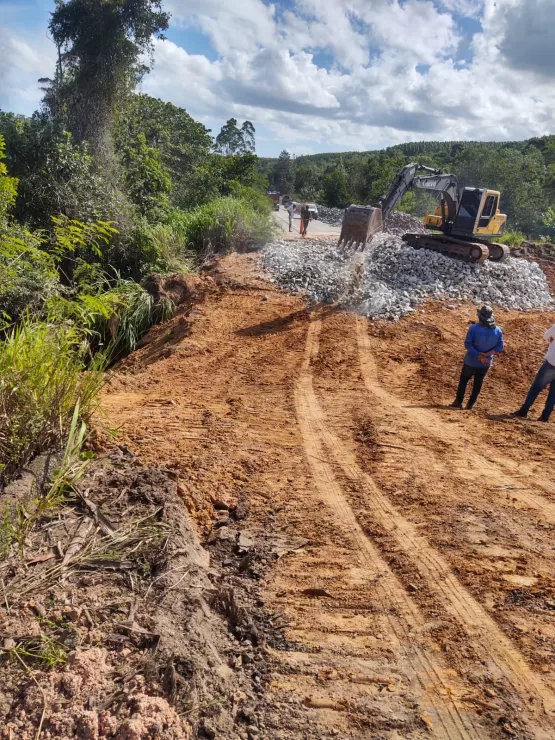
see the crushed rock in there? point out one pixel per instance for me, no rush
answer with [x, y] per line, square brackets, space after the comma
[390, 279]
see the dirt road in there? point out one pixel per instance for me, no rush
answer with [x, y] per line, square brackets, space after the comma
[422, 602]
[315, 228]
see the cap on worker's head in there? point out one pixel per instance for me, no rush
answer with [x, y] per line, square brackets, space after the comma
[485, 315]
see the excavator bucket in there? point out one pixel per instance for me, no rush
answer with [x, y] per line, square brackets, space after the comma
[360, 223]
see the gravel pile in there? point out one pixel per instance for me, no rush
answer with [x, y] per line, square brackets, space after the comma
[330, 216]
[390, 279]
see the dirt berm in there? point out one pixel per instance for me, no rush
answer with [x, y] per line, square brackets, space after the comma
[381, 566]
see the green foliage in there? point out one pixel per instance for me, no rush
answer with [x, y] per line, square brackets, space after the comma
[283, 175]
[8, 185]
[549, 218]
[183, 145]
[170, 248]
[42, 380]
[103, 45]
[512, 238]
[146, 180]
[56, 176]
[43, 649]
[334, 188]
[136, 312]
[233, 140]
[226, 224]
[28, 275]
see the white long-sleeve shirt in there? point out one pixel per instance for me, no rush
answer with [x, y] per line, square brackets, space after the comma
[550, 335]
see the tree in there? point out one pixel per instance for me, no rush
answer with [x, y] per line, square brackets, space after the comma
[306, 182]
[233, 140]
[102, 46]
[336, 192]
[8, 185]
[284, 173]
[182, 144]
[248, 135]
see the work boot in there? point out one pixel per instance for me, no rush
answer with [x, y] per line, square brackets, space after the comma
[544, 417]
[522, 413]
[469, 406]
[455, 405]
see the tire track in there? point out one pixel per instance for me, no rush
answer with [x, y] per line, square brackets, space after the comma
[435, 427]
[476, 622]
[448, 718]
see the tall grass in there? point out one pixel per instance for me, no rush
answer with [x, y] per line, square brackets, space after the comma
[512, 238]
[42, 380]
[135, 313]
[225, 224]
[171, 249]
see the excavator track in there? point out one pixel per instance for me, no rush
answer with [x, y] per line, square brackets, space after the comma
[467, 251]
[498, 252]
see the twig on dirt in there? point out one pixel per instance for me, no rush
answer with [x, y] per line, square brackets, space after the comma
[44, 703]
[79, 539]
[5, 597]
[385, 444]
[175, 585]
[159, 578]
[95, 510]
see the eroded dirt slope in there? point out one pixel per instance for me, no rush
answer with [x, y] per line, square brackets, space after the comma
[422, 602]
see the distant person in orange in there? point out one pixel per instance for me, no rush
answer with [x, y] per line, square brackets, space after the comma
[305, 218]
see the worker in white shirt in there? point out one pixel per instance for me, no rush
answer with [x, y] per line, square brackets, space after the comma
[544, 378]
[291, 211]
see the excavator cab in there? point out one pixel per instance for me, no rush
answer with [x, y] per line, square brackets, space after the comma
[477, 215]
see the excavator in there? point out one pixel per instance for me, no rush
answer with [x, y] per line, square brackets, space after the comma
[467, 219]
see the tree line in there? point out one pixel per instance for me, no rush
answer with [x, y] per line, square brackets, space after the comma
[523, 171]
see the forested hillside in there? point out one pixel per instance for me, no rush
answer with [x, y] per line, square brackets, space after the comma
[523, 171]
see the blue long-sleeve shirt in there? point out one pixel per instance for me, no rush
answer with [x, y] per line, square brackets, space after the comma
[482, 340]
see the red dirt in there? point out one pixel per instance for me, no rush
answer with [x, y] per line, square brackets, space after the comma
[423, 605]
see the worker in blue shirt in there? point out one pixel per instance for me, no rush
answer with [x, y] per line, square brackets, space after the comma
[483, 340]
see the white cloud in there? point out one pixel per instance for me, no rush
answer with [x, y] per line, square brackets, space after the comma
[394, 73]
[21, 66]
[243, 25]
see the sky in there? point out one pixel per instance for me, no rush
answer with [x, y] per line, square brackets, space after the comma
[331, 75]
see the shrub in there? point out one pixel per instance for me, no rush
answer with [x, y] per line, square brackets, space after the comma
[42, 379]
[512, 238]
[28, 276]
[226, 224]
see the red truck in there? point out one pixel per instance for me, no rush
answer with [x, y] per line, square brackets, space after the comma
[273, 195]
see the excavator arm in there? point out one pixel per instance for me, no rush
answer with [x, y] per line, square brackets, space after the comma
[437, 181]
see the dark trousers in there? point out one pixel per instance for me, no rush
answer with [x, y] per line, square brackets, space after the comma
[468, 372]
[544, 378]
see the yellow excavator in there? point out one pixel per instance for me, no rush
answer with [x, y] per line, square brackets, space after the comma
[467, 219]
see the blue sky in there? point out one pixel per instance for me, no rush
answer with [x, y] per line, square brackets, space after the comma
[331, 75]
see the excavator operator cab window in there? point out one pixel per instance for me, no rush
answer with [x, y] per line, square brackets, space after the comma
[468, 210]
[488, 211]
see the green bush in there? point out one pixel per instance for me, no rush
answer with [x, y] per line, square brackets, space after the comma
[28, 275]
[512, 238]
[226, 224]
[42, 379]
